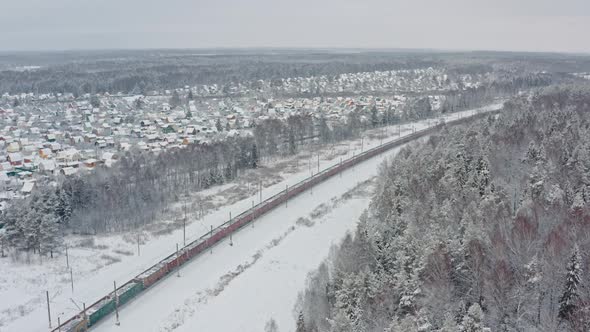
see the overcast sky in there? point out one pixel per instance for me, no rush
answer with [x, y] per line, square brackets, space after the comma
[529, 25]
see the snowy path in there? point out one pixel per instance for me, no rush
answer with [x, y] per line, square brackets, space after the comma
[114, 258]
[240, 287]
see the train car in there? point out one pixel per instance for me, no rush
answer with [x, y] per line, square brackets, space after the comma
[172, 262]
[100, 309]
[197, 248]
[129, 291]
[152, 275]
[77, 324]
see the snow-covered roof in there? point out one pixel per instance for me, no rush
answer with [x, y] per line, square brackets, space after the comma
[28, 187]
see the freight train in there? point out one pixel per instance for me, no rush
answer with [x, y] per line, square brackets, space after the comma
[108, 304]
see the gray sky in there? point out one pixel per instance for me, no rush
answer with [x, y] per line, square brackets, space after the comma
[529, 25]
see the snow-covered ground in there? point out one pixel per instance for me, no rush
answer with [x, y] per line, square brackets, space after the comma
[276, 249]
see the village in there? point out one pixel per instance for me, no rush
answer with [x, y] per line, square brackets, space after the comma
[47, 136]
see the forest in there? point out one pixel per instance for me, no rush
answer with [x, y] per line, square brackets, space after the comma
[485, 227]
[142, 71]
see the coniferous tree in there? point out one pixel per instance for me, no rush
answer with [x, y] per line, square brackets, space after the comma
[175, 99]
[94, 101]
[568, 302]
[218, 125]
[271, 326]
[254, 157]
[374, 117]
[300, 327]
[292, 146]
[473, 320]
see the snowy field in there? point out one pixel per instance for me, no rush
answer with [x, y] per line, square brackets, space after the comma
[257, 278]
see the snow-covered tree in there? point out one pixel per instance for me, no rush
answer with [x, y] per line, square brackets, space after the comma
[473, 321]
[300, 325]
[271, 326]
[449, 324]
[568, 302]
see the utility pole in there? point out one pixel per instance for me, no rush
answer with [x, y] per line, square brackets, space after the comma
[49, 310]
[318, 162]
[184, 226]
[58, 324]
[67, 258]
[72, 279]
[116, 305]
[177, 263]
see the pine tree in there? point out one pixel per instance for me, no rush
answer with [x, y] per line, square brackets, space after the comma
[568, 301]
[300, 327]
[449, 324]
[218, 125]
[139, 103]
[49, 234]
[175, 99]
[254, 156]
[271, 326]
[324, 130]
[473, 321]
[95, 101]
[292, 146]
[374, 117]
[13, 230]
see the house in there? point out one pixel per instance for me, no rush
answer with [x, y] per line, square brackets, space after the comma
[109, 158]
[67, 171]
[4, 180]
[28, 187]
[55, 147]
[45, 153]
[6, 166]
[15, 159]
[76, 140]
[13, 147]
[47, 166]
[68, 155]
[90, 163]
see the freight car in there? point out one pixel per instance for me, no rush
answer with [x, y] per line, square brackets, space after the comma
[77, 324]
